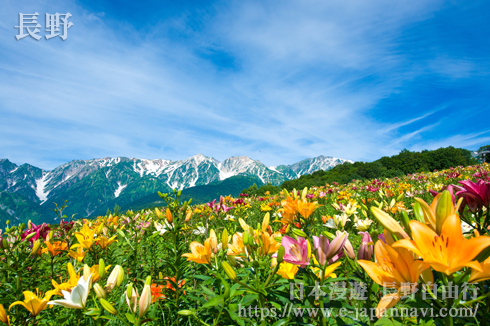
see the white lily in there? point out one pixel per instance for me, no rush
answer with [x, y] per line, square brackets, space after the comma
[78, 296]
[161, 228]
[200, 230]
[337, 221]
[363, 225]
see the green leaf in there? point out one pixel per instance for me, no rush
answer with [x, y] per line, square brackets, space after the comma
[214, 302]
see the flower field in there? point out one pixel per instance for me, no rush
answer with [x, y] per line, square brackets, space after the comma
[409, 250]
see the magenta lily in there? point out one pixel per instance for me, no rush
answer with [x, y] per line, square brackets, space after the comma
[329, 252]
[476, 195]
[296, 251]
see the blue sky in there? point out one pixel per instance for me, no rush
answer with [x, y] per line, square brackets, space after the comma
[278, 81]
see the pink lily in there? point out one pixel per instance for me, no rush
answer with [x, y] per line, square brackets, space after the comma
[296, 252]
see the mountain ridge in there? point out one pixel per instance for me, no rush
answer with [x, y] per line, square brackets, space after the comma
[89, 185]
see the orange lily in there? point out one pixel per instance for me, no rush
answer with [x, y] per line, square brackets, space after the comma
[268, 243]
[237, 247]
[55, 248]
[199, 253]
[306, 208]
[479, 276]
[395, 268]
[449, 252]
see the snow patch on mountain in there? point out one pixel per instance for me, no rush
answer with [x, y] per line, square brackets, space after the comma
[119, 189]
[40, 184]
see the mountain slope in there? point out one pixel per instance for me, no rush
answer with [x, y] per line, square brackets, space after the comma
[91, 186]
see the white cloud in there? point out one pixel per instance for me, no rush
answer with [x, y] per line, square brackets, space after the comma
[293, 88]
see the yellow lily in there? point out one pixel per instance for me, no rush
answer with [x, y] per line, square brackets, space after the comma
[199, 253]
[447, 253]
[70, 284]
[394, 269]
[287, 270]
[79, 255]
[33, 302]
[328, 271]
[105, 242]
[85, 237]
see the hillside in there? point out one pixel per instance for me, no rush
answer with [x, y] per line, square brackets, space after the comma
[386, 167]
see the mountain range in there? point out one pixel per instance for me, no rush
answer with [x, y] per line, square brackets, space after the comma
[90, 187]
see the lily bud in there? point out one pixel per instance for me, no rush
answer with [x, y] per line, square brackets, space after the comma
[108, 306]
[159, 214]
[148, 280]
[145, 300]
[115, 278]
[50, 236]
[86, 272]
[36, 246]
[120, 276]
[280, 254]
[232, 260]
[365, 248]
[160, 276]
[444, 208]
[229, 270]
[101, 268]
[188, 216]
[389, 223]
[132, 298]
[99, 291]
[224, 239]
[265, 221]
[170, 218]
[30, 236]
[245, 237]
[304, 193]
[299, 233]
[29, 224]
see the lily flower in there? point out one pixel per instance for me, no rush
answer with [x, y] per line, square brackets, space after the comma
[268, 243]
[296, 251]
[448, 252]
[306, 208]
[476, 195]
[105, 242]
[287, 270]
[78, 296]
[55, 248]
[85, 237]
[79, 254]
[328, 252]
[34, 302]
[200, 254]
[237, 246]
[483, 275]
[363, 225]
[395, 268]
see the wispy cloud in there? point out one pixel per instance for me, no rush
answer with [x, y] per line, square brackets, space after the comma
[275, 82]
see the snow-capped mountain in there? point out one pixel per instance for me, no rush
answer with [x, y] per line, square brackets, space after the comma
[88, 185]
